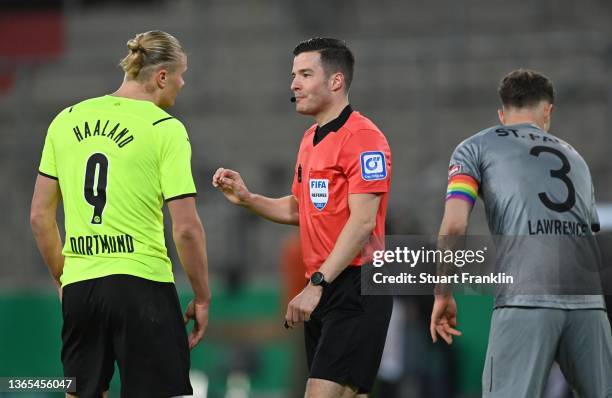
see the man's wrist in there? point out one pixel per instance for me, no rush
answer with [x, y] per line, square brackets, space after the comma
[443, 294]
[248, 200]
[316, 287]
[202, 300]
[318, 279]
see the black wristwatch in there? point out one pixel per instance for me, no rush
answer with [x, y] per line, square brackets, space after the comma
[318, 279]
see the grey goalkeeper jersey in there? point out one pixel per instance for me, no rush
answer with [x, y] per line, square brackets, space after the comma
[539, 201]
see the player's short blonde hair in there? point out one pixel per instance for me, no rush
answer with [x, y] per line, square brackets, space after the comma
[149, 50]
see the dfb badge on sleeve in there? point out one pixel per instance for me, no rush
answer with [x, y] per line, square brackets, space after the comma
[373, 166]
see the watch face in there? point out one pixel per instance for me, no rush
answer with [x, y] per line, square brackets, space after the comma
[316, 278]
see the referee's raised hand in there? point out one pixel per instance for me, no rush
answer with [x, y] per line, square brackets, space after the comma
[231, 184]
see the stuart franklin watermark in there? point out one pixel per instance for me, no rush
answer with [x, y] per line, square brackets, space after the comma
[499, 265]
[421, 256]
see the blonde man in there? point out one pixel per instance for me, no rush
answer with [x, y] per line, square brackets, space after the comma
[114, 160]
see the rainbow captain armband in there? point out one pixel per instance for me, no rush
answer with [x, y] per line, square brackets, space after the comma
[462, 186]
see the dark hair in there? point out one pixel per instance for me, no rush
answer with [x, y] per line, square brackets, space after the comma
[524, 88]
[335, 56]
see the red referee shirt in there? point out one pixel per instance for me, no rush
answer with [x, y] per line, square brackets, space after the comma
[348, 155]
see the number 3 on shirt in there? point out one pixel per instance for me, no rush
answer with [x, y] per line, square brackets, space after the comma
[560, 174]
[97, 198]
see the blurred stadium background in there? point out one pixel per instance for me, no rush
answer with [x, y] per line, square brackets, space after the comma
[426, 73]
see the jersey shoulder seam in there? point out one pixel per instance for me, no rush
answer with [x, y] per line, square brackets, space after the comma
[162, 120]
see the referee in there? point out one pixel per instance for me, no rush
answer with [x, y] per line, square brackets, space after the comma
[114, 160]
[530, 180]
[339, 200]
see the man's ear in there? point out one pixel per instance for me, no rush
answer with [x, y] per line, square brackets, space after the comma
[336, 81]
[501, 116]
[161, 77]
[548, 110]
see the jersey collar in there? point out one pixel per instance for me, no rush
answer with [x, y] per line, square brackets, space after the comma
[334, 125]
[527, 124]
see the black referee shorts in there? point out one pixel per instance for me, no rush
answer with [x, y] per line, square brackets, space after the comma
[134, 321]
[346, 333]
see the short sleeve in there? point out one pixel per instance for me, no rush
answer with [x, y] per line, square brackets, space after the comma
[296, 180]
[175, 161]
[366, 161]
[466, 160]
[595, 226]
[47, 165]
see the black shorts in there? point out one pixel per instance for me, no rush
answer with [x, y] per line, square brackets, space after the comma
[131, 320]
[346, 333]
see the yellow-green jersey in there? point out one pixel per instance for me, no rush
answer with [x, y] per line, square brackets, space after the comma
[116, 160]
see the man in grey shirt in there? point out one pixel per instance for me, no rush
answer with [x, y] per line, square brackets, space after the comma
[536, 190]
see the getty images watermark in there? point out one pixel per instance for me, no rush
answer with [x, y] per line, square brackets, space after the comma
[457, 258]
[484, 264]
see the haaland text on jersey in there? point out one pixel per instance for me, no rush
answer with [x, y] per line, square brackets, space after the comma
[100, 129]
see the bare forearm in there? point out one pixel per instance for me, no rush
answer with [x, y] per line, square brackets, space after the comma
[352, 239]
[191, 248]
[282, 210]
[47, 236]
[451, 237]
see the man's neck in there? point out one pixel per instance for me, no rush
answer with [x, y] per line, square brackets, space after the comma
[331, 113]
[523, 119]
[134, 90]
